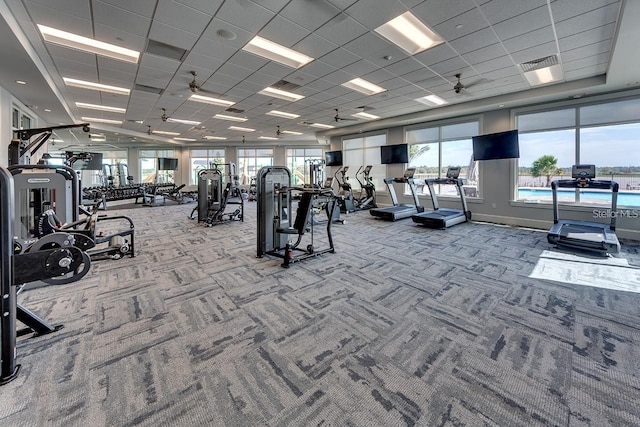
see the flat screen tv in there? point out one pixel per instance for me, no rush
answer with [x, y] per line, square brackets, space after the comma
[501, 145]
[88, 162]
[167, 164]
[333, 158]
[398, 153]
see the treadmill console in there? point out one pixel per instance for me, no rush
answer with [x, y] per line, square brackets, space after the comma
[408, 174]
[583, 171]
[453, 172]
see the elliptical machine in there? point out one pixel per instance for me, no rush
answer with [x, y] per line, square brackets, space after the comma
[368, 199]
[345, 192]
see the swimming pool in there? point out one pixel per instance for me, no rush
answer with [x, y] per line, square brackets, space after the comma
[624, 198]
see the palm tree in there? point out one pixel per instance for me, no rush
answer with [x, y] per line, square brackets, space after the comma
[414, 151]
[546, 165]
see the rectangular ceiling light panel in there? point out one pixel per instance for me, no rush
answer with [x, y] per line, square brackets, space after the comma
[290, 132]
[214, 138]
[432, 100]
[86, 44]
[164, 132]
[282, 114]
[101, 107]
[321, 126]
[281, 94]
[409, 33]
[275, 52]
[99, 120]
[270, 138]
[230, 118]
[95, 86]
[184, 122]
[210, 100]
[241, 129]
[366, 116]
[185, 139]
[363, 86]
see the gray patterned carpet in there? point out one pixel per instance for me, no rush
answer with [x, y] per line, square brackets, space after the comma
[471, 326]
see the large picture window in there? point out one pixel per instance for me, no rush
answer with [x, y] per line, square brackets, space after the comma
[298, 163]
[148, 164]
[250, 160]
[433, 149]
[200, 159]
[362, 151]
[603, 134]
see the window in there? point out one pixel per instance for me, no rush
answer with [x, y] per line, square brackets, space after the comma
[603, 134]
[148, 166]
[250, 160]
[203, 159]
[115, 169]
[362, 151]
[433, 149]
[297, 162]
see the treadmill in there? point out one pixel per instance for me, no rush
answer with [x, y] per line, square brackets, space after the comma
[443, 217]
[585, 235]
[399, 211]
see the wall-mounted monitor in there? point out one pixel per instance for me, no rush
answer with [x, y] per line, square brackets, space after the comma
[167, 164]
[398, 153]
[88, 162]
[333, 158]
[502, 145]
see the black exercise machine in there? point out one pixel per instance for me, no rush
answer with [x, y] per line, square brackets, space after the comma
[214, 196]
[344, 190]
[50, 258]
[275, 227]
[444, 217]
[399, 211]
[368, 199]
[585, 235]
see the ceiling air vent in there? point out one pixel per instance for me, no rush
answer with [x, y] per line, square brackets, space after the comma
[234, 110]
[148, 89]
[285, 85]
[165, 50]
[536, 64]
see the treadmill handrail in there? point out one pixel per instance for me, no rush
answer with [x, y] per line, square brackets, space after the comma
[458, 182]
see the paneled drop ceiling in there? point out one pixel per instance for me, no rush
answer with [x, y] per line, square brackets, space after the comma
[484, 40]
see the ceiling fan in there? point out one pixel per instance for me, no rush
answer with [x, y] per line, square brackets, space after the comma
[164, 116]
[459, 85]
[337, 117]
[194, 86]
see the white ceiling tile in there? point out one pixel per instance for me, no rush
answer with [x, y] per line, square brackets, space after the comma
[473, 41]
[308, 14]
[183, 18]
[530, 39]
[501, 10]
[284, 32]
[467, 23]
[120, 38]
[213, 49]
[341, 30]
[238, 39]
[436, 54]
[485, 54]
[534, 53]
[563, 10]
[529, 21]
[360, 68]
[585, 51]
[172, 36]
[139, 7]
[588, 37]
[340, 58]
[494, 64]
[373, 13]
[246, 15]
[590, 61]
[435, 12]
[110, 16]
[418, 75]
[278, 71]
[195, 60]
[210, 7]
[594, 19]
[248, 60]
[315, 46]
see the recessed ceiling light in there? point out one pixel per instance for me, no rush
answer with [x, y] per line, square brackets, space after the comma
[241, 129]
[363, 86]
[282, 94]
[210, 100]
[409, 33]
[275, 52]
[164, 132]
[226, 34]
[544, 75]
[47, 110]
[185, 139]
[268, 137]
[290, 132]
[282, 114]
[99, 120]
[321, 126]
[364, 115]
[184, 122]
[101, 107]
[95, 86]
[220, 138]
[86, 44]
[21, 82]
[432, 100]
[231, 118]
